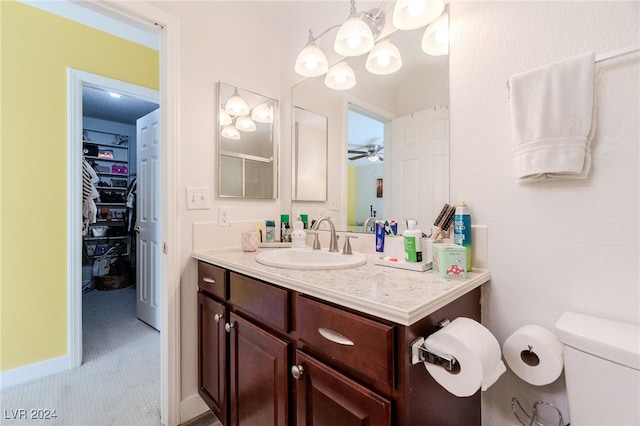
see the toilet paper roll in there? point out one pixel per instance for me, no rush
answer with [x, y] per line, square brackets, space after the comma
[534, 354]
[476, 351]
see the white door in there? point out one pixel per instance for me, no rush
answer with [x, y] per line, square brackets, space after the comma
[148, 220]
[420, 166]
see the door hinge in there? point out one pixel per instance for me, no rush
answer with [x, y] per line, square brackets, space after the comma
[165, 248]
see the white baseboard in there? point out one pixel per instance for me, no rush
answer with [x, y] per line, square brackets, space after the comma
[191, 408]
[20, 375]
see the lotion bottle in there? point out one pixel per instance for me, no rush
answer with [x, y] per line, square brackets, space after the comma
[298, 236]
[412, 242]
[462, 229]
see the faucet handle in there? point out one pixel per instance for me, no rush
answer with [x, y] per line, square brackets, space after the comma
[346, 249]
[316, 241]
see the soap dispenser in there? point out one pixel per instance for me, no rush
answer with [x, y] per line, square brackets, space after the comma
[298, 236]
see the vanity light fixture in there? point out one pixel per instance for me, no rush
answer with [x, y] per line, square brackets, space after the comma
[384, 59]
[355, 36]
[340, 77]
[435, 41]
[412, 14]
[245, 123]
[230, 132]
[236, 106]
[225, 118]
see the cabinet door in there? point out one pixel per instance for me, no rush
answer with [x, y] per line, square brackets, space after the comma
[259, 375]
[212, 383]
[327, 398]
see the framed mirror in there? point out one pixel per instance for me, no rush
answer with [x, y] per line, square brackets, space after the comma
[247, 147]
[409, 136]
[309, 156]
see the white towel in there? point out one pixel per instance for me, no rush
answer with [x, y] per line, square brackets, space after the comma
[552, 111]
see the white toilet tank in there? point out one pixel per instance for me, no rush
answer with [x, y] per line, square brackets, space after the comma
[602, 370]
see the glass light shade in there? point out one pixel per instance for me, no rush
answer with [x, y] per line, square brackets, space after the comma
[311, 61]
[262, 113]
[354, 38]
[372, 157]
[435, 41]
[236, 105]
[384, 59]
[230, 132]
[412, 14]
[224, 118]
[245, 123]
[340, 77]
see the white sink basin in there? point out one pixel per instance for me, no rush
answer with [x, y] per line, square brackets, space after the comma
[309, 259]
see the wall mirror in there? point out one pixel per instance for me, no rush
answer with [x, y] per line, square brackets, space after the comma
[403, 120]
[309, 156]
[247, 148]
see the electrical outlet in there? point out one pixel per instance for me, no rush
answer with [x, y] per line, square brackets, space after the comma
[334, 203]
[224, 216]
[197, 198]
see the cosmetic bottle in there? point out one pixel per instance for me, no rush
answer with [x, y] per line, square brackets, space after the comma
[462, 229]
[298, 236]
[270, 229]
[412, 242]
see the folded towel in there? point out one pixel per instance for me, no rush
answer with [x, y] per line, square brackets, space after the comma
[552, 111]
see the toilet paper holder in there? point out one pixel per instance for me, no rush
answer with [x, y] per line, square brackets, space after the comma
[420, 354]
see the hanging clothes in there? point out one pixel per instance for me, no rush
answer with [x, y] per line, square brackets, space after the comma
[89, 195]
[130, 196]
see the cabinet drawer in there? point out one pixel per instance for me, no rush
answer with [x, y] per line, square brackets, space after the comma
[362, 344]
[213, 280]
[266, 303]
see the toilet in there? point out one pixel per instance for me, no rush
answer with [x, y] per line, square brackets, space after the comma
[602, 369]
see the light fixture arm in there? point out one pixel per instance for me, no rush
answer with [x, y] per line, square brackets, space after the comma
[312, 39]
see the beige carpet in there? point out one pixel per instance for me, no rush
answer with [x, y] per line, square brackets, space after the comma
[119, 380]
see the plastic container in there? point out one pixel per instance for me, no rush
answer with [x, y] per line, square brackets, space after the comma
[298, 236]
[412, 242]
[462, 229]
[270, 230]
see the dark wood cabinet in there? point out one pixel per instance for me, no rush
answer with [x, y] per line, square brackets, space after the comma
[326, 397]
[272, 356]
[259, 381]
[212, 354]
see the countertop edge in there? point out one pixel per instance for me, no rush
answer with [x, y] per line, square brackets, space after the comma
[399, 316]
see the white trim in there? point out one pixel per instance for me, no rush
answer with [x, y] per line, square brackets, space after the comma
[76, 79]
[78, 12]
[192, 407]
[25, 374]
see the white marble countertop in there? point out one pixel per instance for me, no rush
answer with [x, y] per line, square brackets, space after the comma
[397, 295]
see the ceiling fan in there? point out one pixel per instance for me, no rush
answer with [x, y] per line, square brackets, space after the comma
[372, 152]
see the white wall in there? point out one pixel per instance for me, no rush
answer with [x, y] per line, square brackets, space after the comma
[554, 246]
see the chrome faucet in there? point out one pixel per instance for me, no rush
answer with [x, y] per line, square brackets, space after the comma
[365, 228]
[333, 244]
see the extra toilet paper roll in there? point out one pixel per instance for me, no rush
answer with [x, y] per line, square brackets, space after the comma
[534, 354]
[476, 350]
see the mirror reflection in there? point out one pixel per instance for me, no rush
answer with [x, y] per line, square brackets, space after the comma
[309, 156]
[247, 148]
[388, 153]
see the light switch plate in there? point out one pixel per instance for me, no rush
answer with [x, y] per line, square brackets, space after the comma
[198, 198]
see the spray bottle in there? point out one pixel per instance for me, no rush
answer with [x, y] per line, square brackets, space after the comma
[462, 229]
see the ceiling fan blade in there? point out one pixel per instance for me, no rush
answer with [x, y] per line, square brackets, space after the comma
[353, 151]
[358, 156]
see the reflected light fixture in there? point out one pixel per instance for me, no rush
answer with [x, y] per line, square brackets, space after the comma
[236, 105]
[340, 77]
[412, 14]
[230, 132]
[225, 118]
[373, 157]
[262, 113]
[245, 123]
[384, 59]
[435, 41]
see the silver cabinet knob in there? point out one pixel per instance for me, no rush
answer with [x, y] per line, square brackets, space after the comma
[137, 229]
[216, 317]
[228, 326]
[297, 371]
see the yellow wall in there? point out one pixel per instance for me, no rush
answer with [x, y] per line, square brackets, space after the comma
[37, 48]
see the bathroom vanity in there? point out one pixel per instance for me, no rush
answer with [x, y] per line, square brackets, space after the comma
[325, 347]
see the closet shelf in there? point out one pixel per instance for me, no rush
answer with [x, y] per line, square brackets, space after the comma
[119, 237]
[111, 160]
[110, 145]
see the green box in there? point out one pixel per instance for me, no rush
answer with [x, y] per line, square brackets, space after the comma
[450, 260]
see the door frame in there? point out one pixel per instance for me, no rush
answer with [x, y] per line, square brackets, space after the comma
[149, 17]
